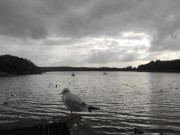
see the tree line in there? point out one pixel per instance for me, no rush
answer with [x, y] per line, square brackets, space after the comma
[15, 65]
[161, 66]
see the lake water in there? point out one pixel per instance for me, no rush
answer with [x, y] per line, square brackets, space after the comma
[149, 101]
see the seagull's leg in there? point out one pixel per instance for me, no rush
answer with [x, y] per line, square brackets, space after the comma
[72, 115]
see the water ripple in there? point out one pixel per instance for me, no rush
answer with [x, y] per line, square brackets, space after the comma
[149, 101]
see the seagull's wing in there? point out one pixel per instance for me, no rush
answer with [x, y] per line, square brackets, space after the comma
[74, 103]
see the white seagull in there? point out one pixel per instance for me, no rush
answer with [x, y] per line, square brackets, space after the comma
[74, 103]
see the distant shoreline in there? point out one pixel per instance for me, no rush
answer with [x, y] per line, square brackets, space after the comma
[153, 66]
[6, 74]
[105, 69]
[47, 69]
[13, 65]
[15, 74]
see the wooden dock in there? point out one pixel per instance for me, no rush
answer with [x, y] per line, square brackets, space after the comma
[58, 126]
[61, 126]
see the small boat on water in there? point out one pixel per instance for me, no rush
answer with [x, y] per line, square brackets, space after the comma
[73, 74]
[105, 73]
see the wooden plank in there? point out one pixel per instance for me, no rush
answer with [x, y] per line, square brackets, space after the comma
[63, 126]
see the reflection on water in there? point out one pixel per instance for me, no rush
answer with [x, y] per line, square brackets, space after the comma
[149, 101]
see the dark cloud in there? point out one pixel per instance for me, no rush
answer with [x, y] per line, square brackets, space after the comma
[34, 19]
[18, 19]
[82, 18]
[158, 19]
[74, 23]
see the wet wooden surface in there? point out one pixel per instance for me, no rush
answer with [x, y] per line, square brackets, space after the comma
[70, 125]
[61, 126]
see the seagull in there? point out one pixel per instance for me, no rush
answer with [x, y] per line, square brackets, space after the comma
[74, 103]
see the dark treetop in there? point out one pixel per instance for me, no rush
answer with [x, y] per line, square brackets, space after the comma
[161, 66]
[15, 65]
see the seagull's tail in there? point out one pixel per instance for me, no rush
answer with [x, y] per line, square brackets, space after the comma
[90, 108]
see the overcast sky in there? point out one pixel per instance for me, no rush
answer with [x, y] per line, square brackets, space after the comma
[113, 33]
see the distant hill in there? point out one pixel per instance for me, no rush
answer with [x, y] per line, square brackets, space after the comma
[161, 66]
[47, 69]
[15, 65]
[153, 66]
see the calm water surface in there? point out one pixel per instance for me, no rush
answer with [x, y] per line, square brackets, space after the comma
[149, 101]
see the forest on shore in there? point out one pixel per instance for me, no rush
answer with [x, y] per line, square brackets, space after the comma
[15, 65]
[161, 66]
